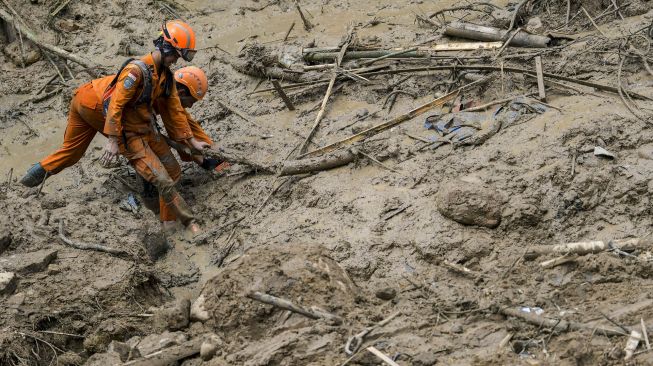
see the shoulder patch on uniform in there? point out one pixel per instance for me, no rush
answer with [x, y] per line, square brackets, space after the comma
[129, 81]
[180, 75]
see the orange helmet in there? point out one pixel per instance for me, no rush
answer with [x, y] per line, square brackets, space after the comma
[194, 79]
[180, 36]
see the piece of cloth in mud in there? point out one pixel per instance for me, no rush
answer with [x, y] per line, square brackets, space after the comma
[460, 126]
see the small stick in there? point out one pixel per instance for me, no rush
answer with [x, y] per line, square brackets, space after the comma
[282, 94]
[11, 173]
[507, 42]
[592, 21]
[514, 16]
[382, 356]
[59, 333]
[236, 111]
[22, 46]
[288, 305]
[369, 62]
[540, 78]
[53, 65]
[84, 246]
[568, 12]
[378, 162]
[558, 261]
[307, 24]
[28, 126]
[645, 334]
[59, 8]
[46, 84]
[626, 330]
[70, 72]
[461, 269]
[617, 9]
[47, 174]
[573, 163]
[285, 38]
[172, 11]
[208, 233]
[417, 138]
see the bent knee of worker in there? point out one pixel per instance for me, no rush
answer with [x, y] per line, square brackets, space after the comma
[171, 165]
[166, 187]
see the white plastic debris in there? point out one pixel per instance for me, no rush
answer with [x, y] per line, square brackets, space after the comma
[534, 310]
[599, 151]
[632, 343]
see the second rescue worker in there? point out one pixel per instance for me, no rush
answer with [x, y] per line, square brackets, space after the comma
[130, 121]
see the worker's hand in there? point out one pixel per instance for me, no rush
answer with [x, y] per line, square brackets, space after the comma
[198, 145]
[110, 152]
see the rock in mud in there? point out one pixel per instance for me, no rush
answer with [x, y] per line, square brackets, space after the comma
[5, 240]
[156, 342]
[69, 359]
[645, 152]
[519, 213]
[104, 359]
[470, 203]
[175, 317]
[27, 263]
[125, 351]
[198, 310]
[210, 347]
[8, 283]
[51, 202]
[387, 293]
[30, 52]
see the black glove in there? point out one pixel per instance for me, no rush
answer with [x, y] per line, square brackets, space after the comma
[210, 163]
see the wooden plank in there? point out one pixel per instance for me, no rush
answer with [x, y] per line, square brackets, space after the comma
[282, 94]
[540, 78]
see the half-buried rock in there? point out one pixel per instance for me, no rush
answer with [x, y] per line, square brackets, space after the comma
[470, 203]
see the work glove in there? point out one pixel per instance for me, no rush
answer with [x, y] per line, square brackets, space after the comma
[210, 163]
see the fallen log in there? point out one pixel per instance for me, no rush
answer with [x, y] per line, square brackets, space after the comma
[588, 247]
[219, 154]
[170, 355]
[483, 33]
[29, 34]
[420, 52]
[303, 166]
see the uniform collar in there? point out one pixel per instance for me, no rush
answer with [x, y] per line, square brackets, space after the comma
[149, 60]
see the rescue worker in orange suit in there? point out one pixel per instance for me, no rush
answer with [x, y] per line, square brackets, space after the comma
[192, 86]
[127, 100]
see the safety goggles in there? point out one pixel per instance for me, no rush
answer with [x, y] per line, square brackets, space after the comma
[185, 53]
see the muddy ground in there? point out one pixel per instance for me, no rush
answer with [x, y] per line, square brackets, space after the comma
[362, 241]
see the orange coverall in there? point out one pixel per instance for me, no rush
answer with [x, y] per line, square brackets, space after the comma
[163, 109]
[139, 141]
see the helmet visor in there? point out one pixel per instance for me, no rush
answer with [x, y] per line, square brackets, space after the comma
[188, 54]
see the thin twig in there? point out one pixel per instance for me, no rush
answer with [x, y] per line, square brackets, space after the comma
[285, 38]
[42, 184]
[515, 14]
[592, 21]
[84, 246]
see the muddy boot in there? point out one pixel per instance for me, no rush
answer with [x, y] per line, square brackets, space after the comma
[34, 176]
[168, 227]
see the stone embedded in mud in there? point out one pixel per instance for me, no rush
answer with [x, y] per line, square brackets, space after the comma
[124, 350]
[175, 317]
[8, 283]
[470, 204]
[645, 152]
[5, 240]
[67, 25]
[521, 213]
[26, 263]
[53, 202]
[198, 311]
[387, 293]
[210, 347]
[30, 52]
[104, 359]
[156, 342]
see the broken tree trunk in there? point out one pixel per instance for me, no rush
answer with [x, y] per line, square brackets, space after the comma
[54, 49]
[170, 355]
[482, 33]
[587, 247]
[327, 54]
[303, 166]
